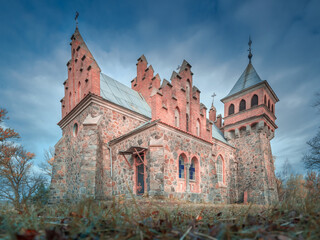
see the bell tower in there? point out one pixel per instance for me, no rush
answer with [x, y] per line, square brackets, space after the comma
[249, 124]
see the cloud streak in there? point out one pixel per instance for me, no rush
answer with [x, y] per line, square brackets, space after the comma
[211, 35]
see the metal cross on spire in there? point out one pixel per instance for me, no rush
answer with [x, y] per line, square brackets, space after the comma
[213, 95]
[76, 18]
[250, 54]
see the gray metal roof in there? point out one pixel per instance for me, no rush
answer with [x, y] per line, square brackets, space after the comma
[248, 78]
[123, 96]
[217, 134]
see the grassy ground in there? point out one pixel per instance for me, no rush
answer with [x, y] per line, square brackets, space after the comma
[156, 219]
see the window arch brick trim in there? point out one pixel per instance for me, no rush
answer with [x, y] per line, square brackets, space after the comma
[194, 174]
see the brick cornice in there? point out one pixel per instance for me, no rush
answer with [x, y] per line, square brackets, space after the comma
[250, 89]
[248, 120]
[172, 128]
[249, 109]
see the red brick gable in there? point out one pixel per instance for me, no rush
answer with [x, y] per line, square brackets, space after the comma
[177, 97]
[83, 74]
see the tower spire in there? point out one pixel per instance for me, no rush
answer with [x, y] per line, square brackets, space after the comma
[213, 95]
[76, 18]
[250, 54]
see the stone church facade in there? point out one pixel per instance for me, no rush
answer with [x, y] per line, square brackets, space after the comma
[158, 140]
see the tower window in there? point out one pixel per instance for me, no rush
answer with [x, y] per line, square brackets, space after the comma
[242, 105]
[272, 110]
[269, 103]
[187, 122]
[265, 99]
[79, 91]
[254, 100]
[181, 166]
[220, 169]
[231, 109]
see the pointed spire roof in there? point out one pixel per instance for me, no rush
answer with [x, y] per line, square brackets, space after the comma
[248, 79]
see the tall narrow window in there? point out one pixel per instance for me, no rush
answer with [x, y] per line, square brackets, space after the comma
[70, 100]
[187, 122]
[242, 105]
[265, 99]
[79, 92]
[176, 118]
[231, 109]
[254, 100]
[220, 169]
[181, 166]
[269, 103]
[192, 170]
[198, 128]
[272, 110]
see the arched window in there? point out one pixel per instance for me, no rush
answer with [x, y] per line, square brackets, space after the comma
[198, 128]
[265, 99]
[187, 122]
[79, 92]
[254, 100]
[220, 169]
[242, 105]
[192, 169]
[231, 109]
[176, 118]
[272, 110]
[269, 103]
[75, 129]
[181, 166]
[70, 100]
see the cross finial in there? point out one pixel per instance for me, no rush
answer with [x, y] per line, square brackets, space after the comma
[76, 18]
[213, 95]
[250, 54]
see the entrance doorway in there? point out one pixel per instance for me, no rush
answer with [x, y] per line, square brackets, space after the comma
[140, 175]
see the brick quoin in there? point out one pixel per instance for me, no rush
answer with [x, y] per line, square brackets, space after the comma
[106, 126]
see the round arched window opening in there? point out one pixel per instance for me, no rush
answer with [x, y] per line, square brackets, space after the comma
[75, 129]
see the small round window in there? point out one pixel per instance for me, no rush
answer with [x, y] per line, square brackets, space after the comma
[75, 129]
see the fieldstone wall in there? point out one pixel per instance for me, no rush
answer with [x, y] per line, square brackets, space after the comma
[164, 146]
[205, 188]
[255, 167]
[82, 161]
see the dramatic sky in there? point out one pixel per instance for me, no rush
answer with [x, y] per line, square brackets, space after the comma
[211, 35]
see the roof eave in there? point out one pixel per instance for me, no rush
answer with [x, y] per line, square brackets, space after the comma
[225, 99]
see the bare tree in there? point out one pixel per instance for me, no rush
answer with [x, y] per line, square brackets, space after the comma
[312, 158]
[17, 181]
[46, 166]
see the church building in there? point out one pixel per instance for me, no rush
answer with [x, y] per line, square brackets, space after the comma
[156, 139]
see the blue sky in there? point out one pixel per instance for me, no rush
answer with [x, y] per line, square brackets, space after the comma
[211, 35]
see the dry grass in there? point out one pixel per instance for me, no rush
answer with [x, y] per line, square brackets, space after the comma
[156, 219]
[296, 216]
